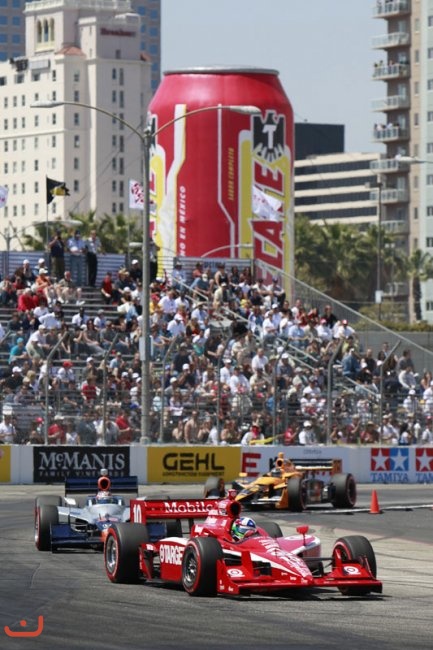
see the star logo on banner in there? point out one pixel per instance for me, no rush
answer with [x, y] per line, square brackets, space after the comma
[379, 460]
[399, 460]
[424, 460]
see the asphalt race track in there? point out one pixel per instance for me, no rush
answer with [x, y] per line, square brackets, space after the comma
[82, 609]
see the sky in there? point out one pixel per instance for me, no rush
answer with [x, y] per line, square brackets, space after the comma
[321, 48]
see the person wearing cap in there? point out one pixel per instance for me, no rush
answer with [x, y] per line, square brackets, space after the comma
[18, 352]
[57, 255]
[135, 271]
[37, 345]
[176, 326]
[306, 435]
[66, 372]
[389, 433]
[93, 249]
[76, 247]
[411, 405]
[26, 272]
[57, 431]
[252, 435]
[178, 276]
[40, 265]
[276, 292]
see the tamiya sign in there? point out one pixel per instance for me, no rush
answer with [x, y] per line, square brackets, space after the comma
[424, 464]
[388, 465]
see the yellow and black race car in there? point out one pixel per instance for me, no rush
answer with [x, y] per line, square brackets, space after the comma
[292, 485]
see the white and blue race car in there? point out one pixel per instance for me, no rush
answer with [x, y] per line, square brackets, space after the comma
[60, 522]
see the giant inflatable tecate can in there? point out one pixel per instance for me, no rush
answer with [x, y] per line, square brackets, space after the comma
[221, 182]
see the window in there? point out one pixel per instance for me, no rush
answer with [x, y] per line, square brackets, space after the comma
[15, 123]
[121, 99]
[53, 141]
[429, 147]
[54, 119]
[36, 209]
[14, 167]
[118, 54]
[121, 189]
[5, 102]
[121, 166]
[5, 168]
[416, 119]
[54, 75]
[23, 122]
[415, 213]
[114, 164]
[5, 145]
[76, 76]
[121, 77]
[54, 96]
[14, 145]
[113, 96]
[5, 125]
[23, 188]
[429, 84]
[23, 145]
[36, 166]
[416, 56]
[429, 116]
[23, 100]
[113, 186]
[430, 53]
[113, 208]
[416, 88]
[36, 120]
[76, 163]
[53, 163]
[121, 144]
[14, 101]
[429, 242]
[23, 166]
[114, 74]
[76, 141]
[36, 143]
[430, 21]
[76, 119]
[36, 187]
[430, 210]
[121, 208]
[114, 141]
[76, 95]
[76, 186]
[429, 179]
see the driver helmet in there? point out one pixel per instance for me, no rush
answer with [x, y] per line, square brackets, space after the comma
[276, 472]
[242, 528]
[103, 496]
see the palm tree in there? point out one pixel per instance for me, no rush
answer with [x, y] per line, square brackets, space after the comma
[419, 269]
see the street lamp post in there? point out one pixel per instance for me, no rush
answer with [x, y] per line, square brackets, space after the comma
[147, 137]
[378, 297]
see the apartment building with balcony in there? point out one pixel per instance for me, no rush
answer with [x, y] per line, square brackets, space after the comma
[85, 51]
[404, 125]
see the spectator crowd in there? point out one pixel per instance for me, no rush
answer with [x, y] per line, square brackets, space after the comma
[232, 362]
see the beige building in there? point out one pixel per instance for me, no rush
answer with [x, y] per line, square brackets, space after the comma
[84, 51]
[405, 99]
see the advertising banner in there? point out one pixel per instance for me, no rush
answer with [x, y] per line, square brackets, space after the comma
[5, 463]
[54, 464]
[192, 464]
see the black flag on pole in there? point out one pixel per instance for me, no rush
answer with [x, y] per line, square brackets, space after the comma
[55, 188]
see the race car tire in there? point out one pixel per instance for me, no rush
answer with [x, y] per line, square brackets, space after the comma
[355, 548]
[48, 500]
[174, 528]
[343, 491]
[271, 528]
[214, 487]
[297, 494]
[199, 566]
[45, 517]
[121, 556]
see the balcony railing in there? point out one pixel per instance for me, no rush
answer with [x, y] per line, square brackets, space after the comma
[386, 8]
[384, 71]
[395, 227]
[390, 103]
[388, 166]
[388, 133]
[394, 39]
[390, 195]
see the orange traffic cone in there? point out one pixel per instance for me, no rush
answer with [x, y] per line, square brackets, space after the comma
[374, 505]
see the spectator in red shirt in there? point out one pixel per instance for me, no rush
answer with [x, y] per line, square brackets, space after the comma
[57, 432]
[126, 433]
[89, 389]
[27, 300]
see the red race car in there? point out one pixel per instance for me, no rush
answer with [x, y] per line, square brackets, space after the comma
[227, 553]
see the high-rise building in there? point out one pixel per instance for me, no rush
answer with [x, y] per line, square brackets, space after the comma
[334, 188]
[13, 40]
[86, 51]
[405, 170]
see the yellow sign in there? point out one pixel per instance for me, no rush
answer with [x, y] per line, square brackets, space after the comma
[192, 464]
[5, 464]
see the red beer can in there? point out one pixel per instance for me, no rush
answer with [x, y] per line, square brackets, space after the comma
[221, 181]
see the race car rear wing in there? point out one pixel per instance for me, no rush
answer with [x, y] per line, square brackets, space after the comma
[333, 465]
[142, 509]
[89, 485]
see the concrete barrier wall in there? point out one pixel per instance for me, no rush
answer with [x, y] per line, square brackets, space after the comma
[190, 464]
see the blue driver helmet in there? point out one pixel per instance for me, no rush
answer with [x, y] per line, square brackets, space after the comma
[242, 528]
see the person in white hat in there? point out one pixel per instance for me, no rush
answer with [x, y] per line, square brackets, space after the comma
[306, 435]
